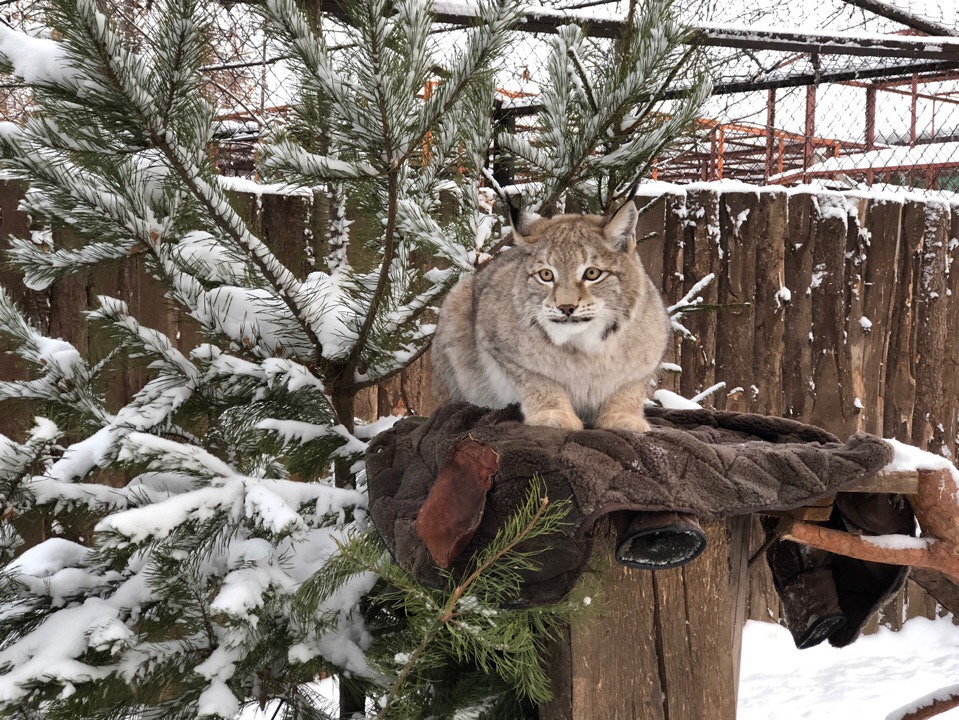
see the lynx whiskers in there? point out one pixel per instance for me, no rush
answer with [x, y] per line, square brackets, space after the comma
[567, 323]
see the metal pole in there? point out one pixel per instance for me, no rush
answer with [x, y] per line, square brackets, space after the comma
[914, 101]
[770, 132]
[810, 130]
[870, 128]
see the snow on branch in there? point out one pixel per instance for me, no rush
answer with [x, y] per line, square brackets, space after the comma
[294, 164]
[687, 303]
[37, 60]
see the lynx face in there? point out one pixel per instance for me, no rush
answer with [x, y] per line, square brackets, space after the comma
[579, 284]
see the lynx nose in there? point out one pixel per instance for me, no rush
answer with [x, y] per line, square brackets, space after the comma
[567, 310]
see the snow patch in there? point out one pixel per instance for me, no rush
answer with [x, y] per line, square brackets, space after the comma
[672, 401]
[36, 60]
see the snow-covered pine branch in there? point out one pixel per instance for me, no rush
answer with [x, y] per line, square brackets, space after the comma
[689, 301]
[603, 120]
[181, 515]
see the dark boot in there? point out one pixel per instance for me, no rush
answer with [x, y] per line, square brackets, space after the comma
[658, 540]
[864, 587]
[803, 577]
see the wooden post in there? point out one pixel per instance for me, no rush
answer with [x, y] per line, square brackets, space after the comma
[932, 301]
[700, 257]
[869, 328]
[797, 359]
[900, 370]
[663, 645]
[740, 227]
[833, 403]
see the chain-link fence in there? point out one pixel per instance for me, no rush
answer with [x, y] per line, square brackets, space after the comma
[862, 96]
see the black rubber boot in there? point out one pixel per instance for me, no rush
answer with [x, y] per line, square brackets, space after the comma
[803, 576]
[658, 540]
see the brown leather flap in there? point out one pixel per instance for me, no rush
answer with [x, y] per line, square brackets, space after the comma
[448, 519]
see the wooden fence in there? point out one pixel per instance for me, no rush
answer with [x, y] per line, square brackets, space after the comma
[835, 309]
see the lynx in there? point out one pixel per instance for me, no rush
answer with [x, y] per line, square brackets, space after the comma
[567, 323]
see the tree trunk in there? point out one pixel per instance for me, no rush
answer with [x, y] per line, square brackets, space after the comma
[662, 645]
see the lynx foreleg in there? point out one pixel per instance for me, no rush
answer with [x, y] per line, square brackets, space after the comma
[547, 403]
[623, 410]
[544, 401]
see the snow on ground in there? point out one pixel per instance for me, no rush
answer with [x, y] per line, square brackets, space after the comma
[868, 680]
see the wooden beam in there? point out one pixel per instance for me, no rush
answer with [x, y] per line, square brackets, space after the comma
[886, 71]
[896, 482]
[823, 43]
[549, 20]
[935, 503]
[882, 9]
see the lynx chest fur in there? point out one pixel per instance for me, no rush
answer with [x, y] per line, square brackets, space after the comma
[567, 323]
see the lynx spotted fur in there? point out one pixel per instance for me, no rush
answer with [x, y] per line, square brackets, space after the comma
[567, 323]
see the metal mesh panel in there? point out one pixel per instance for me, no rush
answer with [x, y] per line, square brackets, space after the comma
[870, 115]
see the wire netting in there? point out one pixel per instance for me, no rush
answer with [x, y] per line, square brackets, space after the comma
[779, 115]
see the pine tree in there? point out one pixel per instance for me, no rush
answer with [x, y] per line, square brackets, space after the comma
[608, 113]
[234, 563]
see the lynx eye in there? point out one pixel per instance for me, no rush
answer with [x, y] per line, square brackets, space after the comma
[546, 275]
[592, 273]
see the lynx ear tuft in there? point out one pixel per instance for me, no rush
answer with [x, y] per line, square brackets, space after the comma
[620, 227]
[521, 222]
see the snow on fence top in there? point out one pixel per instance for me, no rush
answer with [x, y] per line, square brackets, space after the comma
[897, 157]
[883, 192]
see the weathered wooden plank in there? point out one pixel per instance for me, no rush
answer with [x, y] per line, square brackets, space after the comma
[627, 683]
[407, 393]
[649, 229]
[900, 378]
[735, 331]
[14, 420]
[950, 368]
[833, 404]
[762, 601]
[930, 409]
[897, 482]
[797, 363]
[769, 236]
[856, 252]
[738, 533]
[771, 300]
[700, 257]
[672, 287]
[674, 635]
[870, 332]
[695, 642]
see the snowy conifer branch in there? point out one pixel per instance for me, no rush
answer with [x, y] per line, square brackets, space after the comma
[485, 40]
[604, 122]
[286, 159]
[125, 74]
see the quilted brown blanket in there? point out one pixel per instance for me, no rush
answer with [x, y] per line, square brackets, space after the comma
[707, 463]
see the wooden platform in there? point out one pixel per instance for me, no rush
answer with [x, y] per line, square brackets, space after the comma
[666, 645]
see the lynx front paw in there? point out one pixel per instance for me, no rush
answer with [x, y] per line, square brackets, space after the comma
[556, 419]
[634, 422]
